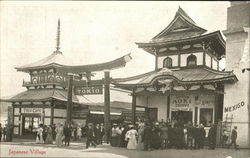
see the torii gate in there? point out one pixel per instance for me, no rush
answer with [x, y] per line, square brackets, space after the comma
[80, 86]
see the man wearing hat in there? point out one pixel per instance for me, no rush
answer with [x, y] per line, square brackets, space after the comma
[90, 136]
[233, 138]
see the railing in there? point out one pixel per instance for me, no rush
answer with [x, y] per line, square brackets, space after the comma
[44, 83]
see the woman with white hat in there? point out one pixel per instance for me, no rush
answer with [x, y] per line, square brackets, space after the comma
[131, 138]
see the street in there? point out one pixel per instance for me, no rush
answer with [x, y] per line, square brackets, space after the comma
[77, 149]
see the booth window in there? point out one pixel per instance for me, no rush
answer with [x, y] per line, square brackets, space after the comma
[191, 60]
[167, 62]
[206, 116]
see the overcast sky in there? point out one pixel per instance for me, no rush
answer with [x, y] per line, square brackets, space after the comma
[91, 32]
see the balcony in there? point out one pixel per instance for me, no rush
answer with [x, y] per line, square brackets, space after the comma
[44, 83]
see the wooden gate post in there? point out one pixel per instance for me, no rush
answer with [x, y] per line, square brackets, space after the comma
[69, 103]
[107, 104]
[133, 107]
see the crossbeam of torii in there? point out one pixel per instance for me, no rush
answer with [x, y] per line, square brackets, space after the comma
[87, 69]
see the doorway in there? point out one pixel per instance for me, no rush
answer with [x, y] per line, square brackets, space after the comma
[206, 116]
[30, 124]
[153, 114]
[182, 117]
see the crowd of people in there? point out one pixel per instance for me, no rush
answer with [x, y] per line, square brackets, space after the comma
[149, 136]
[142, 136]
[6, 133]
[162, 135]
[62, 134]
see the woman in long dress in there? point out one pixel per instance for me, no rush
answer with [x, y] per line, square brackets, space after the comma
[140, 145]
[49, 139]
[59, 134]
[40, 134]
[131, 137]
[79, 133]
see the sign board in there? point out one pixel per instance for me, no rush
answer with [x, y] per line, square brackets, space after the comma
[81, 90]
[32, 110]
[190, 101]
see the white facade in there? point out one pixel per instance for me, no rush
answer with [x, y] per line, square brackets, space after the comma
[236, 100]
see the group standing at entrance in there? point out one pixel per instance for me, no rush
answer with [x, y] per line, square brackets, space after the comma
[162, 135]
[142, 136]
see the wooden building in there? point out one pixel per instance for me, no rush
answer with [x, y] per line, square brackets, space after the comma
[187, 84]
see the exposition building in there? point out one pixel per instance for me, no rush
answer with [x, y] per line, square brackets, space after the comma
[187, 84]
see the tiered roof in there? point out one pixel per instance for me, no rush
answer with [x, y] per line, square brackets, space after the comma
[182, 29]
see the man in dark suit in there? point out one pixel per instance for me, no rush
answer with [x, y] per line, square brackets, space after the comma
[67, 134]
[212, 137]
[147, 135]
[90, 135]
[98, 134]
[234, 137]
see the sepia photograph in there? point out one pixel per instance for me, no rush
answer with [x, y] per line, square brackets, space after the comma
[125, 79]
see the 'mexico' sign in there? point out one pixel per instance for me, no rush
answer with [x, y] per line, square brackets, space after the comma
[234, 107]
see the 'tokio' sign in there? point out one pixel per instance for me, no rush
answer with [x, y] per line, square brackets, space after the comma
[88, 90]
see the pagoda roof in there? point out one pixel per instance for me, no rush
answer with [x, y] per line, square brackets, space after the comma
[56, 59]
[195, 76]
[180, 30]
[40, 95]
[181, 22]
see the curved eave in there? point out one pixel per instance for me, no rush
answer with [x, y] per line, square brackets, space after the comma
[217, 35]
[228, 79]
[27, 69]
[117, 63]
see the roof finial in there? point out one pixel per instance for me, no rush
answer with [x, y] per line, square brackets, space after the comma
[58, 36]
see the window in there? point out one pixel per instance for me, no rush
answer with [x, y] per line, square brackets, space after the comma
[167, 62]
[191, 60]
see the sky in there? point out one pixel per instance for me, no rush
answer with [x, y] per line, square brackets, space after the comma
[91, 32]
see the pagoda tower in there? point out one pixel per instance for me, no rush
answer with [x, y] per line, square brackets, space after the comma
[45, 100]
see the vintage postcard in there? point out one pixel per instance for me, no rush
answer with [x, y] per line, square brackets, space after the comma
[125, 79]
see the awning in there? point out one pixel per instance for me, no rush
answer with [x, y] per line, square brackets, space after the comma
[39, 95]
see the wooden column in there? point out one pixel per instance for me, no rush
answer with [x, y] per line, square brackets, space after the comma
[20, 120]
[196, 115]
[52, 113]
[216, 108]
[204, 58]
[69, 102]
[133, 107]
[147, 110]
[179, 59]
[168, 106]
[156, 59]
[107, 104]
